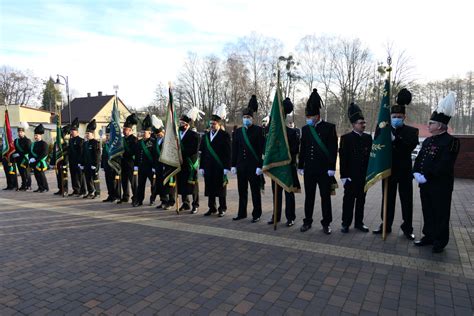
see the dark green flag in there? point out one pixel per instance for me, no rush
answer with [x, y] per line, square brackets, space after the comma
[380, 161]
[277, 161]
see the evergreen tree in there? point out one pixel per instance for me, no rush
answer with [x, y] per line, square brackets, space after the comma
[50, 96]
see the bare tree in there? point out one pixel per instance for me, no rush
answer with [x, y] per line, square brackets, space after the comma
[235, 86]
[18, 87]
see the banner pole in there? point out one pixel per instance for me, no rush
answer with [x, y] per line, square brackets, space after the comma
[385, 193]
[275, 204]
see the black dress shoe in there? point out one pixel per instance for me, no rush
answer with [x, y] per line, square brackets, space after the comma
[305, 228]
[57, 193]
[437, 249]
[344, 229]
[238, 218]
[37, 190]
[109, 199]
[210, 212]
[362, 228]
[380, 230]
[255, 219]
[221, 213]
[290, 223]
[270, 222]
[409, 236]
[423, 242]
[327, 230]
[135, 204]
[184, 208]
[194, 210]
[167, 206]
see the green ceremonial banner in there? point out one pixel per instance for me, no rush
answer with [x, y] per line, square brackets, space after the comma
[277, 161]
[380, 161]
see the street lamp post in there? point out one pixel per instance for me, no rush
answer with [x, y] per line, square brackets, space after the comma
[66, 82]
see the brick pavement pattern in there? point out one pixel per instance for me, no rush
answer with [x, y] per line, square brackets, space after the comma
[84, 257]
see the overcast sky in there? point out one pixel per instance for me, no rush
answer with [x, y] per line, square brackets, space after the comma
[136, 44]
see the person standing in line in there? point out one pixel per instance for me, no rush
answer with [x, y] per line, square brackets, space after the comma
[38, 156]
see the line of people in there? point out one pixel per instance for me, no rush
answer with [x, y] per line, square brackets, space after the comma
[216, 155]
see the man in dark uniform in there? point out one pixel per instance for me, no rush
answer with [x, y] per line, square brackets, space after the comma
[9, 167]
[38, 156]
[354, 152]
[91, 161]
[145, 160]
[215, 162]
[317, 162]
[75, 153]
[434, 171]
[404, 140]
[61, 165]
[129, 175]
[187, 177]
[167, 191]
[22, 148]
[294, 144]
[248, 144]
[110, 174]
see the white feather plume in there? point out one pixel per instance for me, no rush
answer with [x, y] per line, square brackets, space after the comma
[156, 122]
[447, 105]
[195, 114]
[221, 111]
[25, 125]
[266, 119]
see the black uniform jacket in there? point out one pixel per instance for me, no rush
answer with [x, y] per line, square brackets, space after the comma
[312, 158]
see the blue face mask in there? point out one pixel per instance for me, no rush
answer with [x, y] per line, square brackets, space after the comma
[309, 122]
[397, 122]
[247, 122]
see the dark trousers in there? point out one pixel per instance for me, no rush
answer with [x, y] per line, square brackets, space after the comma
[211, 203]
[244, 178]
[186, 201]
[311, 181]
[128, 179]
[61, 178]
[10, 174]
[289, 203]
[405, 190]
[41, 180]
[92, 180]
[78, 182]
[111, 183]
[353, 194]
[436, 207]
[143, 174]
[25, 176]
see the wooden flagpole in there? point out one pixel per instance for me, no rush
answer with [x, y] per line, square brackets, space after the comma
[385, 193]
[275, 204]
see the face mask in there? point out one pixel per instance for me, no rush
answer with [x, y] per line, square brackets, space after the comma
[309, 122]
[247, 122]
[396, 122]
[182, 128]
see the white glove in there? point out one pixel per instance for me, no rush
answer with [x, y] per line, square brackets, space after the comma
[331, 173]
[80, 166]
[226, 171]
[16, 155]
[344, 180]
[393, 136]
[32, 160]
[93, 167]
[153, 170]
[233, 170]
[301, 171]
[422, 179]
[135, 168]
[258, 172]
[51, 166]
[201, 172]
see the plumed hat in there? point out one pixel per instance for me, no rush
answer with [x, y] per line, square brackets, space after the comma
[39, 129]
[287, 106]
[146, 123]
[23, 126]
[91, 126]
[252, 107]
[66, 129]
[354, 113]
[314, 104]
[131, 120]
[220, 113]
[75, 124]
[445, 109]
[403, 99]
[157, 124]
[194, 114]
